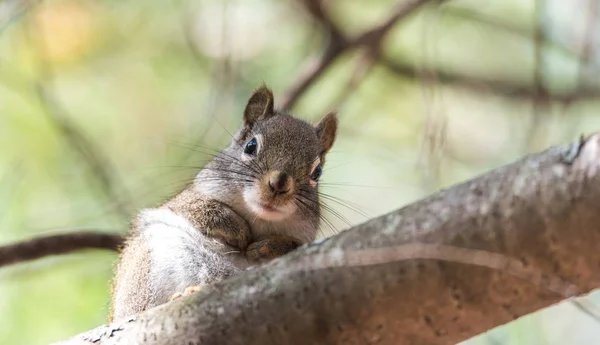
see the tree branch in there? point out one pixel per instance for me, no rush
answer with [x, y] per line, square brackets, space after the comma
[508, 89]
[372, 39]
[339, 44]
[42, 246]
[99, 165]
[540, 212]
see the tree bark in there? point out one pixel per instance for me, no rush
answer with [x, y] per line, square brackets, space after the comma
[413, 276]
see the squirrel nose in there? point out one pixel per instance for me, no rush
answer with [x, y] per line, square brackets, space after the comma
[280, 182]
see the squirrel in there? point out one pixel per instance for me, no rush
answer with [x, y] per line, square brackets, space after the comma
[254, 201]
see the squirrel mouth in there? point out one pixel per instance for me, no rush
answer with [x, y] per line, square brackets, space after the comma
[267, 207]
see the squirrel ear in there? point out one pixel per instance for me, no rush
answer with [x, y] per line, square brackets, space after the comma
[260, 105]
[326, 131]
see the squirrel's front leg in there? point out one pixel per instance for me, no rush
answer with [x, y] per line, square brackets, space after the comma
[271, 247]
[264, 249]
[221, 222]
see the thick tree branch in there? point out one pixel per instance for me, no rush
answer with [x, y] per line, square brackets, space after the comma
[42, 246]
[541, 211]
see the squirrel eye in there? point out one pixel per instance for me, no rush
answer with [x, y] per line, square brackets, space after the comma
[251, 146]
[316, 174]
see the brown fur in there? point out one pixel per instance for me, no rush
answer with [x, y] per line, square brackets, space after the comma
[132, 269]
[214, 218]
[272, 247]
[181, 233]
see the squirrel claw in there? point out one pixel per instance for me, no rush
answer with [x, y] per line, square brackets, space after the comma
[271, 247]
[236, 239]
[188, 291]
[257, 251]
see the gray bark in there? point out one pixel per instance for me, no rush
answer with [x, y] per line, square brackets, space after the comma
[414, 276]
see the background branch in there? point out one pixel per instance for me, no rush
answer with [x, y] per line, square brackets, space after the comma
[99, 165]
[510, 89]
[42, 246]
[339, 44]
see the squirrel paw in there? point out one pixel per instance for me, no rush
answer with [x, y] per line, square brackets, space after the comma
[271, 247]
[188, 291]
[226, 225]
[235, 238]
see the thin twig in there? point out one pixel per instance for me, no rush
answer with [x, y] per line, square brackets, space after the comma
[364, 66]
[540, 98]
[510, 28]
[339, 44]
[501, 87]
[98, 164]
[433, 142]
[311, 74]
[316, 8]
[42, 246]
[589, 43]
[586, 72]
[223, 77]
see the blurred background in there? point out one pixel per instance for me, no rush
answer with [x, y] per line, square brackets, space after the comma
[107, 106]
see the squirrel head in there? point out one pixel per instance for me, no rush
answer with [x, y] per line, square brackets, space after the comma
[277, 160]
